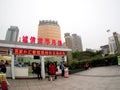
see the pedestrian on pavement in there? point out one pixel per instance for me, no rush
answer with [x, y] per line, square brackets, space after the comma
[86, 66]
[63, 68]
[52, 71]
[48, 63]
[38, 71]
[56, 69]
[33, 67]
[2, 67]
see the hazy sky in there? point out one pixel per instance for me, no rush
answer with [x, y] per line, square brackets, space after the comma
[87, 18]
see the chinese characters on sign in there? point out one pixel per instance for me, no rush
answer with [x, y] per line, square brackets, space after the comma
[46, 41]
[25, 39]
[17, 51]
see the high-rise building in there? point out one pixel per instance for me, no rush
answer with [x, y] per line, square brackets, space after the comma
[68, 40]
[12, 34]
[74, 42]
[105, 49]
[49, 29]
[112, 43]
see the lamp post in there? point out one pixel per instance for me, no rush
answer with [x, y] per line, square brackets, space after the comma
[117, 42]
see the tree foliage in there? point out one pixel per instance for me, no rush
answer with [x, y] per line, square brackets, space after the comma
[85, 55]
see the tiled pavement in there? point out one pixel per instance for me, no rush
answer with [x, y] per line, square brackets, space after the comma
[100, 78]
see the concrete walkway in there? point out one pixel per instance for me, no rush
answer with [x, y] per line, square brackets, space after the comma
[99, 78]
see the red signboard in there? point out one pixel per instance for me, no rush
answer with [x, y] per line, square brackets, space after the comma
[53, 42]
[32, 40]
[25, 39]
[59, 43]
[40, 40]
[18, 51]
[47, 41]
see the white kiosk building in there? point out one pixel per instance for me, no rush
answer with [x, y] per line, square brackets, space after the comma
[19, 56]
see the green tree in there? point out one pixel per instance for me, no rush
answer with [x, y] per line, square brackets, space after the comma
[85, 55]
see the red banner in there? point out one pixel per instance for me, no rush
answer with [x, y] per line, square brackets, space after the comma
[18, 51]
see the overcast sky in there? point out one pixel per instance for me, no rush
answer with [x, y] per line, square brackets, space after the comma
[89, 19]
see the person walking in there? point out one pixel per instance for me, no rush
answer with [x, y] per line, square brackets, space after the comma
[52, 71]
[2, 67]
[38, 71]
[56, 69]
[4, 82]
[63, 68]
[86, 66]
[48, 63]
[33, 67]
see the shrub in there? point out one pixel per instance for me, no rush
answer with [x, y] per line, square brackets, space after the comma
[94, 62]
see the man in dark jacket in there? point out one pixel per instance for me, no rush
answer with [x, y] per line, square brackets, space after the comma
[38, 71]
[2, 67]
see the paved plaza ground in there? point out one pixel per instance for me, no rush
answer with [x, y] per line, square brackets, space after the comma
[99, 78]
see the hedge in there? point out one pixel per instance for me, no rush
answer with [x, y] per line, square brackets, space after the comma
[94, 62]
